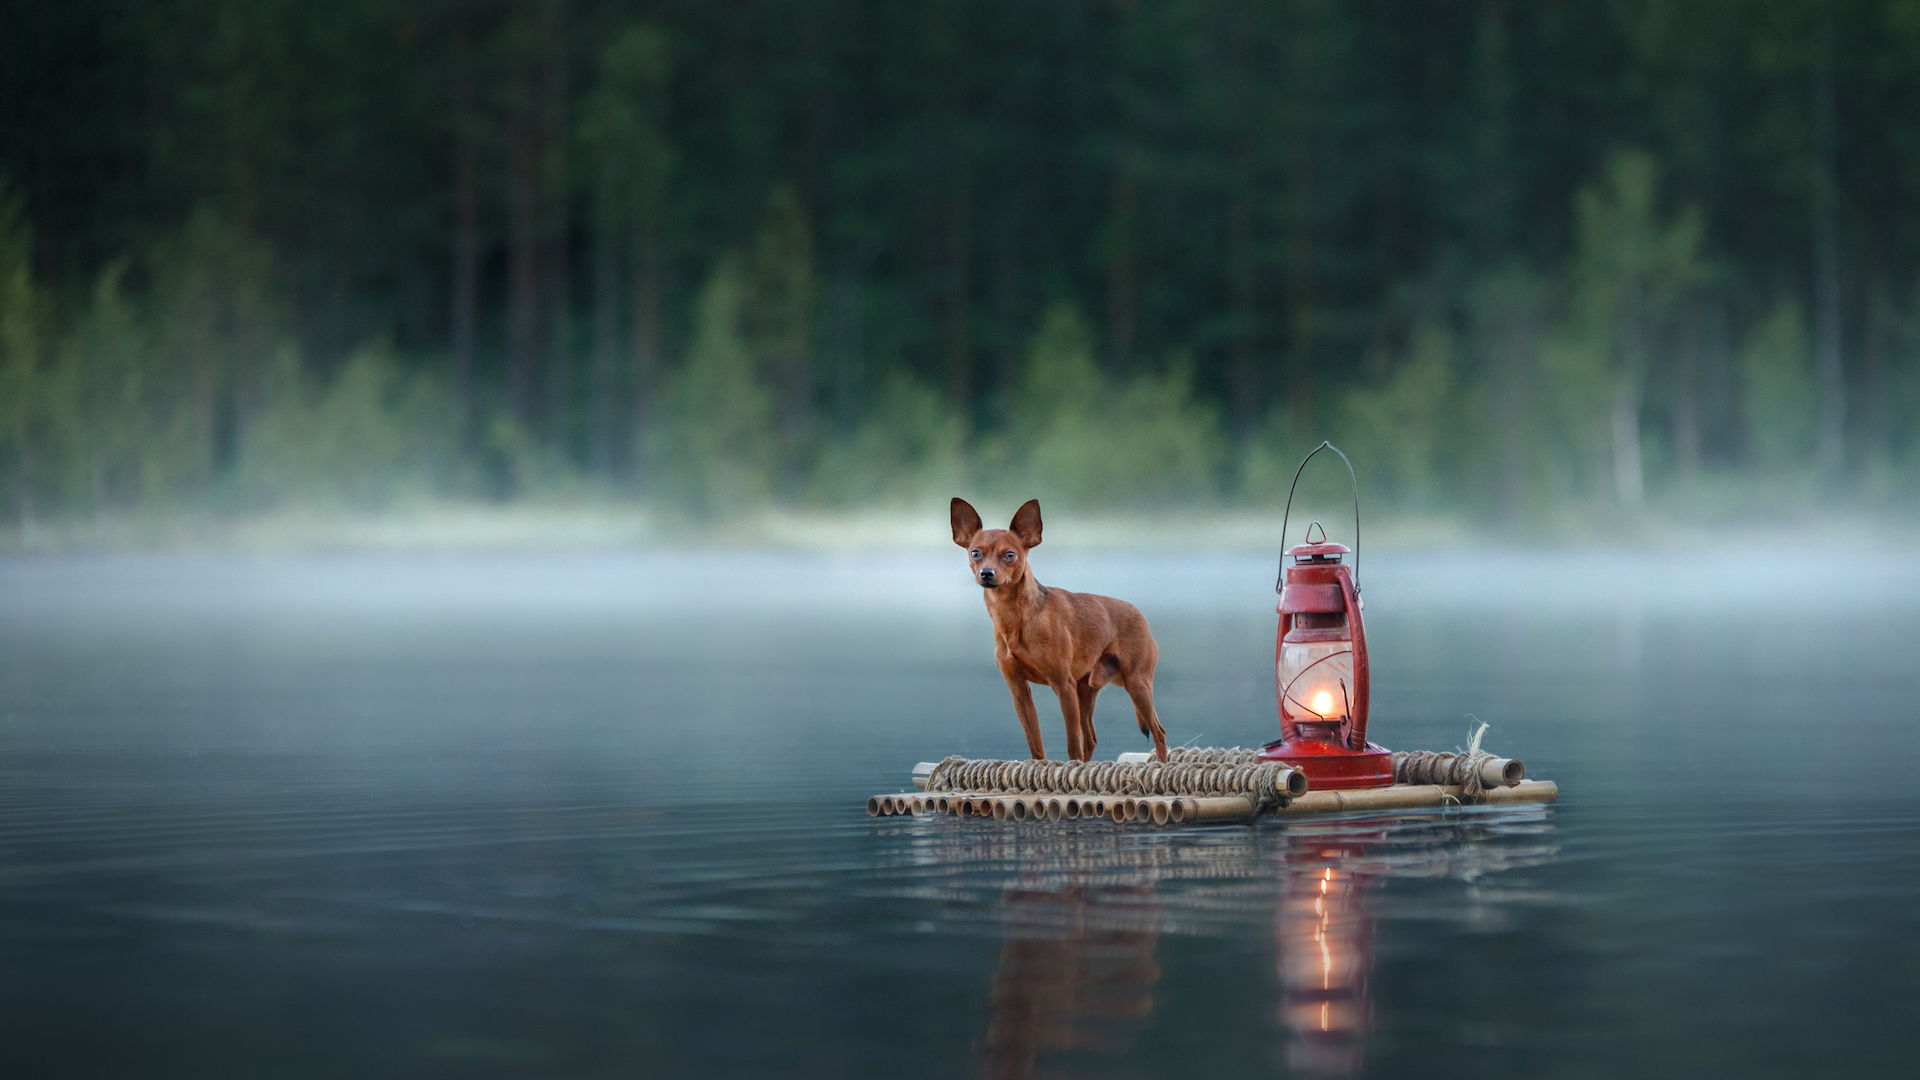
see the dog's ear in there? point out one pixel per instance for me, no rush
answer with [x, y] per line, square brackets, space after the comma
[966, 522]
[1026, 523]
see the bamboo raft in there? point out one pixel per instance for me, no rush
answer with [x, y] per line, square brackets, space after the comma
[1196, 785]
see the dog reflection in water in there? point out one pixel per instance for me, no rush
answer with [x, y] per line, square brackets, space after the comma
[1084, 983]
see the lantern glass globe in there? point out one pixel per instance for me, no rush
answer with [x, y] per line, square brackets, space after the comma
[1316, 679]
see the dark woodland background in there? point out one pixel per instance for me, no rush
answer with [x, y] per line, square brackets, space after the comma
[1522, 260]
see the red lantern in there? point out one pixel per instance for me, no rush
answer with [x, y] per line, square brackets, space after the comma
[1320, 661]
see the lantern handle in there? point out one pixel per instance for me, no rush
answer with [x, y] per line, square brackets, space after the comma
[1280, 581]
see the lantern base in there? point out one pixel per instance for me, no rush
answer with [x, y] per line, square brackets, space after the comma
[1330, 766]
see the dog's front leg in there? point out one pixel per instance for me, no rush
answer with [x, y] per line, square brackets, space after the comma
[1029, 719]
[1070, 711]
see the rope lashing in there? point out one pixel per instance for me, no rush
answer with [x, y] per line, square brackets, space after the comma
[1442, 767]
[1439, 767]
[1196, 771]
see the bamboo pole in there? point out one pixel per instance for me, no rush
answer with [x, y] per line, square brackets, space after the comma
[1413, 796]
[1214, 808]
[1295, 782]
[1502, 772]
[1397, 797]
[1523, 791]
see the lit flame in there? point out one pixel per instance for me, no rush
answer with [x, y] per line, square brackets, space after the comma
[1323, 703]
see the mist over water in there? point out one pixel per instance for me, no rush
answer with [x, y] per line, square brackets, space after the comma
[598, 815]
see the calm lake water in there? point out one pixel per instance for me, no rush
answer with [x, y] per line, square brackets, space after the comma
[604, 816]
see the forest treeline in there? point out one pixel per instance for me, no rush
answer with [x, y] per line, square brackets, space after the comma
[1515, 257]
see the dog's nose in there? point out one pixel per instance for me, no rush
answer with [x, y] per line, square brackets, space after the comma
[986, 574]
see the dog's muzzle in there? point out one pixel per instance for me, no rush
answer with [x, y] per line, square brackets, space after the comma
[987, 580]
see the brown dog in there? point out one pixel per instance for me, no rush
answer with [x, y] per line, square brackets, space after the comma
[1075, 643]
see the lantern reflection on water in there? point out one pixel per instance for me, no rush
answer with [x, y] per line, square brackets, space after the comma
[1322, 934]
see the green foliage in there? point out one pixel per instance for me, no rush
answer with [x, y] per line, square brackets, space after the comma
[621, 127]
[368, 438]
[778, 293]
[712, 449]
[124, 427]
[1397, 432]
[1630, 270]
[620, 119]
[1399, 226]
[909, 449]
[1631, 265]
[1266, 461]
[23, 309]
[1777, 391]
[1059, 381]
[1167, 446]
[216, 324]
[1521, 437]
[195, 392]
[776, 318]
[24, 318]
[1080, 441]
[1902, 404]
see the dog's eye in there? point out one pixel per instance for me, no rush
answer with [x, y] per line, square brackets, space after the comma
[975, 553]
[1008, 556]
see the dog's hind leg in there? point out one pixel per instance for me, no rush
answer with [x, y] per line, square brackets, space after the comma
[1086, 691]
[1140, 689]
[1029, 719]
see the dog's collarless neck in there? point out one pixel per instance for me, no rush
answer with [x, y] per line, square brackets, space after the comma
[1021, 604]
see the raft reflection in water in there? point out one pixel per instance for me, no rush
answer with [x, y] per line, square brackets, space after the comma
[1082, 910]
[1086, 989]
